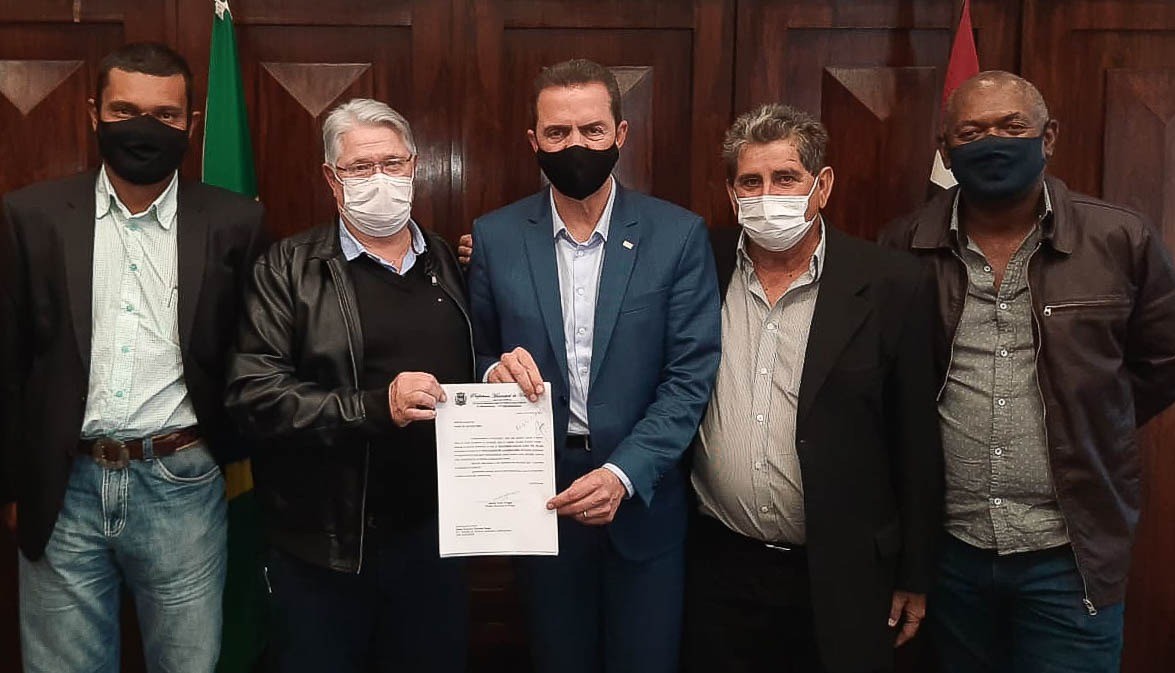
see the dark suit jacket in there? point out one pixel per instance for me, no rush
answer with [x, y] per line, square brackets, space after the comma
[46, 262]
[654, 352]
[868, 443]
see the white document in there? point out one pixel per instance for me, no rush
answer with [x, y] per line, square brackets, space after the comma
[495, 471]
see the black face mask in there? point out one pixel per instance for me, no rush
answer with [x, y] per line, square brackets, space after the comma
[142, 150]
[577, 171]
[996, 169]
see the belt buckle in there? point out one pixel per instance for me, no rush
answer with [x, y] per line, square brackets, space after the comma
[105, 446]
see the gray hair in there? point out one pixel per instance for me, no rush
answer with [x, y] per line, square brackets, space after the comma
[361, 112]
[769, 123]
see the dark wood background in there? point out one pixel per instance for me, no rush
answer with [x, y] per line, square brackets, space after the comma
[461, 71]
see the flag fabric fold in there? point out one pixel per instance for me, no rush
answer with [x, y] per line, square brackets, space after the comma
[963, 64]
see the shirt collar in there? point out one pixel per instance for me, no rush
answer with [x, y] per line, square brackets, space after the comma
[602, 224]
[815, 265]
[1046, 209]
[163, 208]
[352, 248]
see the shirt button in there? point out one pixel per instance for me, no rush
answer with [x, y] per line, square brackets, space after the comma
[1001, 401]
[759, 418]
[583, 370]
[770, 325]
[1003, 352]
[126, 349]
[999, 452]
[134, 267]
[987, 268]
[581, 331]
[579, 291]
[119, 393]
[130, 309]
[579, 253]
[764, 509]
[763, 370]
[758, 465]
[997, 501]
[1003, 306]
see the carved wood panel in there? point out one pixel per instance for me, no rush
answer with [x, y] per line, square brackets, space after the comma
[1140, 144]
[879, 114]
[874, 71]
[677, 108]
[301, 59]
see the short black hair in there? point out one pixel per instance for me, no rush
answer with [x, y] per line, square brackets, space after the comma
[577, 72]
[148, 58]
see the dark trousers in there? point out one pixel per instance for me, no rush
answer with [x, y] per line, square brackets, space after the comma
[406, 611]
[591, 610]
[1018, 613]
[748, 606]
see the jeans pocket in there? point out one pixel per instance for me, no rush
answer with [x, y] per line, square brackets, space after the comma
[193, 465]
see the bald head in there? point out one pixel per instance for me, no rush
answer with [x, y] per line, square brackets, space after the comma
[1016, 92]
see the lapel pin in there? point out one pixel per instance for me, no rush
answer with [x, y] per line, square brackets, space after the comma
[628, 244]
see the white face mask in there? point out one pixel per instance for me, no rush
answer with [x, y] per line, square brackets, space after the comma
[776, 223]
[379, 205]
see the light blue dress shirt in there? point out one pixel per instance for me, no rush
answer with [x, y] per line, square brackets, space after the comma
[136, 384]
[352, 248]
[579, 267]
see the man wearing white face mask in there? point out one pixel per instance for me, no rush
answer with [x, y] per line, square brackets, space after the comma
[818, 466]
[349, 330]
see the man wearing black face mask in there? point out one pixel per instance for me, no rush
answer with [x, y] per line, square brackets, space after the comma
[1059, 321]
[611, 297]
[121, 294]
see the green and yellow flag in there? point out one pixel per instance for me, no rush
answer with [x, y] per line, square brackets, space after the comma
[228, 163]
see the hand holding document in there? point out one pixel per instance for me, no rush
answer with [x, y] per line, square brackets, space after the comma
[495, 471]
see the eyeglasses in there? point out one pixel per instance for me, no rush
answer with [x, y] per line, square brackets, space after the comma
[395, 166]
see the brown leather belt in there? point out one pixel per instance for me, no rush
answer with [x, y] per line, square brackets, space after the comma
[114, 454]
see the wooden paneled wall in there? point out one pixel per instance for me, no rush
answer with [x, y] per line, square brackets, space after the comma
[460, 70]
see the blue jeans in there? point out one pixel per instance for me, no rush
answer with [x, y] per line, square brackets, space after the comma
[159, 527]
[1019, 613]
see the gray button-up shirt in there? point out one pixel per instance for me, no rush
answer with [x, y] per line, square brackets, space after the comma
[999, 488]
[746, 470]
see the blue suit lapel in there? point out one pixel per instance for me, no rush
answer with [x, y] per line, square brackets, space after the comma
[620, 253]
[539, 244]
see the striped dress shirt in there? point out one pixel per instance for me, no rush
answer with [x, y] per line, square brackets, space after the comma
[746, 470]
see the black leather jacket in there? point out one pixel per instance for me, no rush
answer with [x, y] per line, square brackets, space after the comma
[294, 387]
[1103, 295]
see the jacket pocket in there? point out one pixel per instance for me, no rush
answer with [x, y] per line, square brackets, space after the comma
[639, 302]
[1086, 304]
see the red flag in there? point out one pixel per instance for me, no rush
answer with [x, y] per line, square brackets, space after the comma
[964, 64]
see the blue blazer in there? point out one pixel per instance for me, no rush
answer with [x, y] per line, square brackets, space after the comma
[654, 353]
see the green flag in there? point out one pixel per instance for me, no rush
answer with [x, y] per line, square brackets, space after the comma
[228, 163]
[228, 152]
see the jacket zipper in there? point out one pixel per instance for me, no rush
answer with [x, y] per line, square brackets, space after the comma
[1048, 311]
[345, 307]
